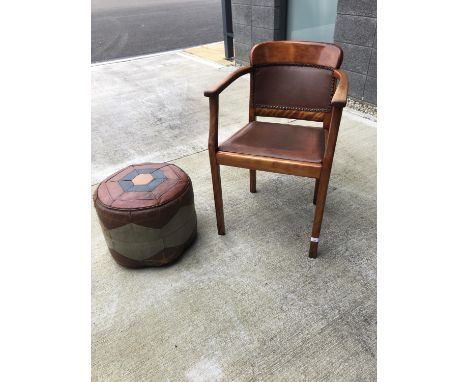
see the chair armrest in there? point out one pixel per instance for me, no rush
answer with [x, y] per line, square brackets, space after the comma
[341, 93]
[227, 81]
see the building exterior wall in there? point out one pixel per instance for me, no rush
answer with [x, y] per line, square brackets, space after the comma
[255, 21]
[355, 32]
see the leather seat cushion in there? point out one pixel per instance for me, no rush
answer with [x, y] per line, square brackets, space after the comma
[277, 140]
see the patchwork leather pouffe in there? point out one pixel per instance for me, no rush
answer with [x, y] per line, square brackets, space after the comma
[147, 214]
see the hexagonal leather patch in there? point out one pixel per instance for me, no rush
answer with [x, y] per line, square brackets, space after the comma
[142, 180]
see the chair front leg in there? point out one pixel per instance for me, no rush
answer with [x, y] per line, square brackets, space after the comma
[218, 193]
[321, 196]
[215, 173]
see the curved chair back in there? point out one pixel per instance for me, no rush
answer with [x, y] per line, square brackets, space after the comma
[293, 79]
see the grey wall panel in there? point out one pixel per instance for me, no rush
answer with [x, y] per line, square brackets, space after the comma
[265, 17]
[242, 33]
[357, 83]
[355, 29]
[262, 34]
[267, 3]
[255, 21]
[370, 90]
[356, 33]
[358, 7]
[356, 57]
[373, 64]
[241, 51]
[241, 14]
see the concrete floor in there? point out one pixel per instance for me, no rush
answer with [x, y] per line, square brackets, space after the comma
[249, 306]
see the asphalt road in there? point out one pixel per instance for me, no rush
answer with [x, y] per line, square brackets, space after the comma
[127, 28]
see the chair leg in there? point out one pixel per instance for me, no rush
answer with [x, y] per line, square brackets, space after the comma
[218, 196]
[321, 193]
[253, 181]
[317, 183]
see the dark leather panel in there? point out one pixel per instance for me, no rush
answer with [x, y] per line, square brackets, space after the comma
[296, 52]
[304, 88]
[277, 140]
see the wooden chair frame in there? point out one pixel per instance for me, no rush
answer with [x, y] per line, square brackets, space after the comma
[319, 171]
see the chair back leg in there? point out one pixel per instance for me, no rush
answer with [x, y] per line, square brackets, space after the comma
[253, 181]
[218, 194]
[317, 182]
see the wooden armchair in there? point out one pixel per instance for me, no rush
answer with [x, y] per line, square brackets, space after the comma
[288, 79]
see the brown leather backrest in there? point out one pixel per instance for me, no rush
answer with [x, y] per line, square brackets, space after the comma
[293, 79]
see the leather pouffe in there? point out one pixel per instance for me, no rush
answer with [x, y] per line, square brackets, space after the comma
[147, 214]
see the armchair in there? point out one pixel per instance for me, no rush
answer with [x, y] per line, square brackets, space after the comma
[288, 79]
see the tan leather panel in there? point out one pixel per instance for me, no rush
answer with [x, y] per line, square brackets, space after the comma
[276, 140]
[142, 179]
[299, 87]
